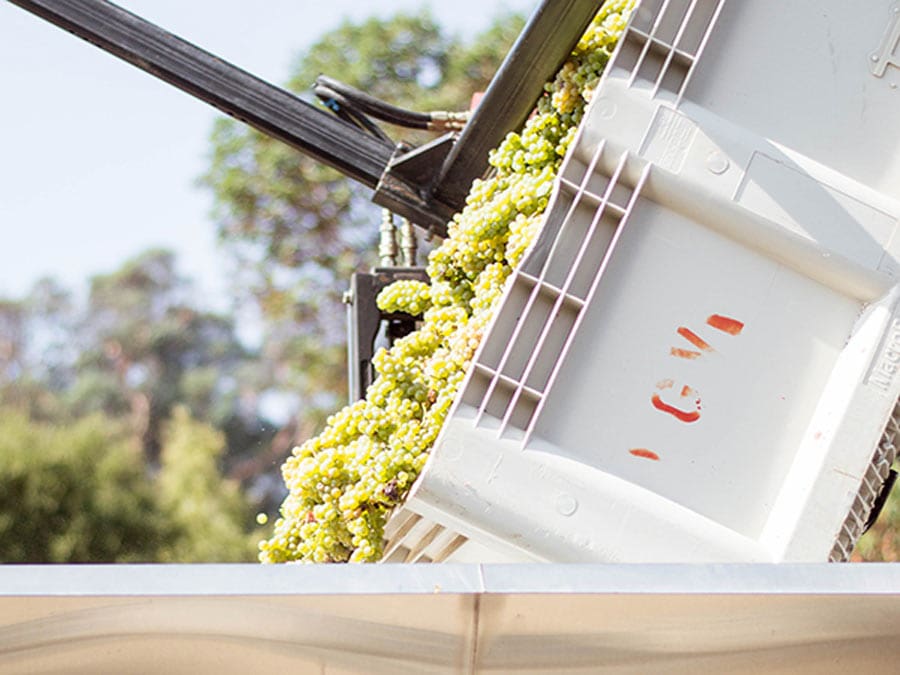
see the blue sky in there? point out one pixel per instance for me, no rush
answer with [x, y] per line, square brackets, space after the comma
[98, 160]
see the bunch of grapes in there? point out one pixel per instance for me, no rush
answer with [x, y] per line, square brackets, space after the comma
[345, 482]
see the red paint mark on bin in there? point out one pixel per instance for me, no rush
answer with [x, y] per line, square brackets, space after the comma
[720, 322]
[694, 339]
[684, 353]
[677, 413]
[645, 453]
[725, 324]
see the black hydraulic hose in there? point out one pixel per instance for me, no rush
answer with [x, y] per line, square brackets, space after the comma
[365, 123]
[373, 106]
[345, 109]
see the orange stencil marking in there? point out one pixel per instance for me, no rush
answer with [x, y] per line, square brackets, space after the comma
[684, 353]
[665, 384]
[687, 391]
[645, 453]
[694, 339]
[682, 415]
[725, 324]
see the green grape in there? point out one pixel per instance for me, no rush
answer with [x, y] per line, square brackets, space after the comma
[406, 295]
[344, 483]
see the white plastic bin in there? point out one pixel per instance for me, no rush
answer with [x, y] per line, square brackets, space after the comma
[697, 360]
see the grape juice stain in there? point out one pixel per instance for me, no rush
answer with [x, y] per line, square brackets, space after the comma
[645, 453]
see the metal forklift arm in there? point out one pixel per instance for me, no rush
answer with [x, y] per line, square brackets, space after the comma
[270, 109]
[427, 185]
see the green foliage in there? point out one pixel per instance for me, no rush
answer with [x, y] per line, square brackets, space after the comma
[74, 493]
[82, 493]
[85, 390]
[139, 343]
[144, 346]
[882, 542]
[298, 229]
[209, 513]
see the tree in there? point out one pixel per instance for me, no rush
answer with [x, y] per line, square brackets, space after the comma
[74, 493]
[12, 340]
[209, 513]
[81, 492]
[34, 333]
[298, 229]
[138, 345]
[144, 345]
[35, 349]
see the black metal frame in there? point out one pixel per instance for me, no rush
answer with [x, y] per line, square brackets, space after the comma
[539, 52]
[427, 185]
[365, 321]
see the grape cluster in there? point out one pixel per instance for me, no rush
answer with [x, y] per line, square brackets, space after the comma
[345, 482]
[406, 295]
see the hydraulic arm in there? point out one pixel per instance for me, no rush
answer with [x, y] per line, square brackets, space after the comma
[427, 185]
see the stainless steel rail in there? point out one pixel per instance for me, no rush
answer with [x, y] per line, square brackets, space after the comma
[449, 618]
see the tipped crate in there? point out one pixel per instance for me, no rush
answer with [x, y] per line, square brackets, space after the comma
[697, 360]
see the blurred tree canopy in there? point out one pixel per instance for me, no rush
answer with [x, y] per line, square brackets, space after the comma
[138, 344]
[88, 471]
[81, 492]
[75, 493]
[144, 345]
[210, 514]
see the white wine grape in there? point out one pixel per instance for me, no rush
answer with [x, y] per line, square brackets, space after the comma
[344, 483]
